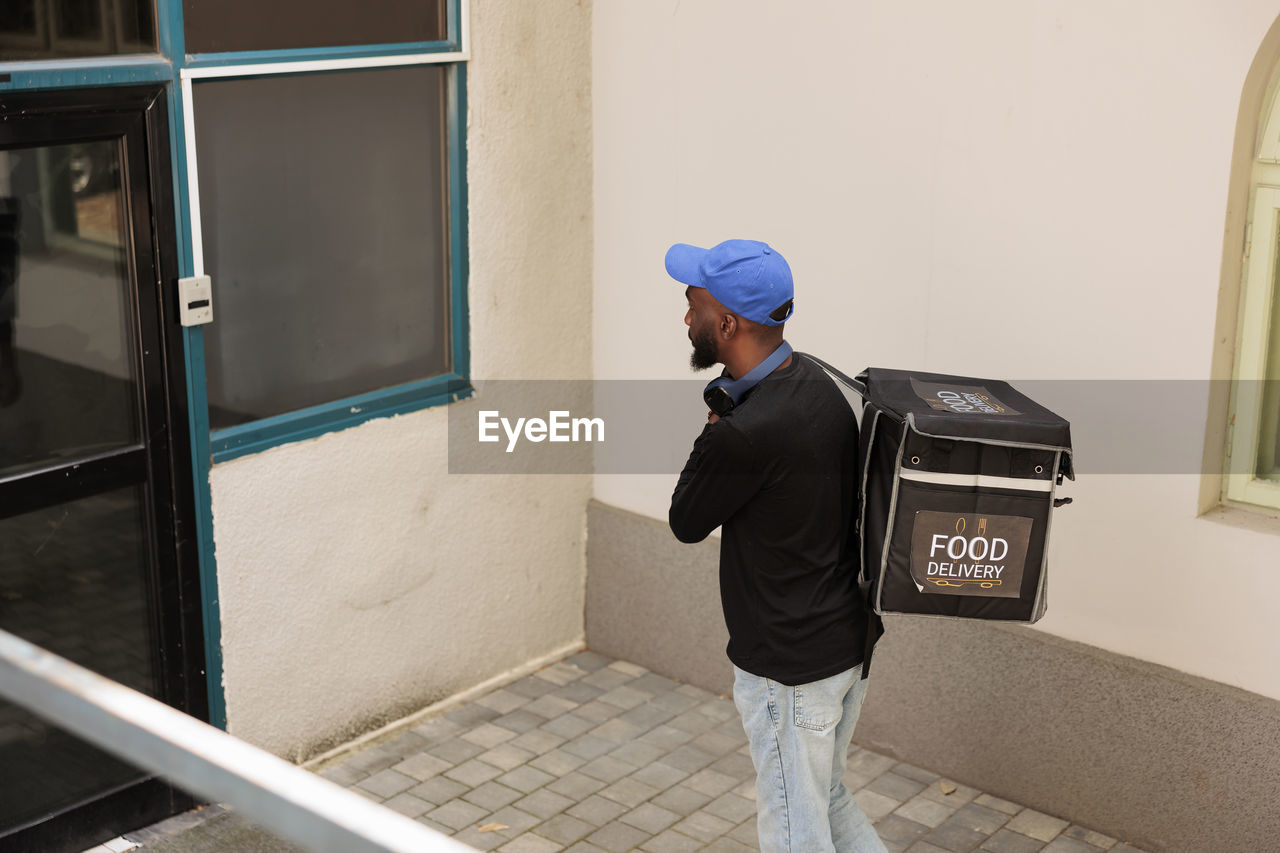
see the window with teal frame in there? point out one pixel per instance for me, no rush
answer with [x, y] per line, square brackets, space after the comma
[327, 196]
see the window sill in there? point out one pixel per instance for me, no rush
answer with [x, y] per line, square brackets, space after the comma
[257, 436]
[1258, 519]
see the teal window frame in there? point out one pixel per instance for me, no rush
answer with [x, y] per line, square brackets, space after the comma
[167, 66]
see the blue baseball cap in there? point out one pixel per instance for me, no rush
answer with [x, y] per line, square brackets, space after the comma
[747, 277]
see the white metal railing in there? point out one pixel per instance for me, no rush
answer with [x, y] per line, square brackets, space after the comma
[293, 803]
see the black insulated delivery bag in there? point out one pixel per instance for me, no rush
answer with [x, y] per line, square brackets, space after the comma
[957, 494]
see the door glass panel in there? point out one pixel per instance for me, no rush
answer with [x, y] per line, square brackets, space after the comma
[46, 29]
[68, 381]
[1268, 461]
[282, 24]
[73, 579]
[322, 201]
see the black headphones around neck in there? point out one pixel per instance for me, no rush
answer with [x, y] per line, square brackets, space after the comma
[722, 394]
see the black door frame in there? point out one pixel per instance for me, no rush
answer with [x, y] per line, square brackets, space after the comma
[139, 116]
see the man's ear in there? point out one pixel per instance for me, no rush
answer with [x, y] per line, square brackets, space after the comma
[728, 326]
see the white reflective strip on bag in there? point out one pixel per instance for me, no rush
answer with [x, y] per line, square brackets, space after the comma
[978, 481]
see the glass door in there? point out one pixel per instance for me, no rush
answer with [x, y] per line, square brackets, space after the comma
[97, 558]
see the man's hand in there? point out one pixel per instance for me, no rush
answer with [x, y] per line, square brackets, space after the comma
[712, 417]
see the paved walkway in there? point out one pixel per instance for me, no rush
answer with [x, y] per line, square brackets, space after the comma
[592, 754]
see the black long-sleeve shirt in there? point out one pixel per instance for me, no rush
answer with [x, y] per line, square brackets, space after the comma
[779, 474]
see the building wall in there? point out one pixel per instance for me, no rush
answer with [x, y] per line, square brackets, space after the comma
[358, 579]
[1025, 191]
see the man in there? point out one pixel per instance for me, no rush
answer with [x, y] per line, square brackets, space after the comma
[775, 467]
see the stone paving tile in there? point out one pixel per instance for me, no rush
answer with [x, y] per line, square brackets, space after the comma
[895, 787]
[921, 809]
[710, 782]
[473, 773]
[502, 701]
[671, 842]
[687, 758]
[1037, 824]
[409, 805]
[638, 754]
[438, 790]
[1063, 844]
[592, 754]
[387, 783]
[492, 796]
[993, 802]
[504, 756]
[526, 779]
[568, 725]
[702, 826]
[515, 821]
[457, 814]
[1088, 836]
[1005, 841]
[455, 751]
[659, 776]
[597, 711]
[745, 832]
[470, 715]
[953, 834]
[618, 837]
[564, 829]
[437, 730]
[543, 803]
[596, 810]
[606, 769]
[422, 766]
[575, 786]
[895, 828]
[618, 731]
[488, 736]
[666, 737]
[480, 840]
[649, 817]
[878, 805]
[530, 843]
[538, 741]
[577, 694]
[553, 705]
[923, 846]
[731, 807]
[584, 846]
[343, 774]
[557, 762]
[629, 792]
[727, 845]
[682, 800]
[520, 720]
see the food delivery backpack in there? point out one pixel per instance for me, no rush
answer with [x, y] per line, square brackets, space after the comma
[957, 478]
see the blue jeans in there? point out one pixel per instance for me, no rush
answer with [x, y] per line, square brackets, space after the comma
[799, 740]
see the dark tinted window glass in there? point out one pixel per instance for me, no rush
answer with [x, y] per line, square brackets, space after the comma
[73, 580]
[220, 25]
[322, 202]
[41, 29]
[68, 382]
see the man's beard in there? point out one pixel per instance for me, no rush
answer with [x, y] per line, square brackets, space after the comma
[705, 352]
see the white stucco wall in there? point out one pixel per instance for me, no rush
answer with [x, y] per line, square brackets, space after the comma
[359, 580]
[1020, 190]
